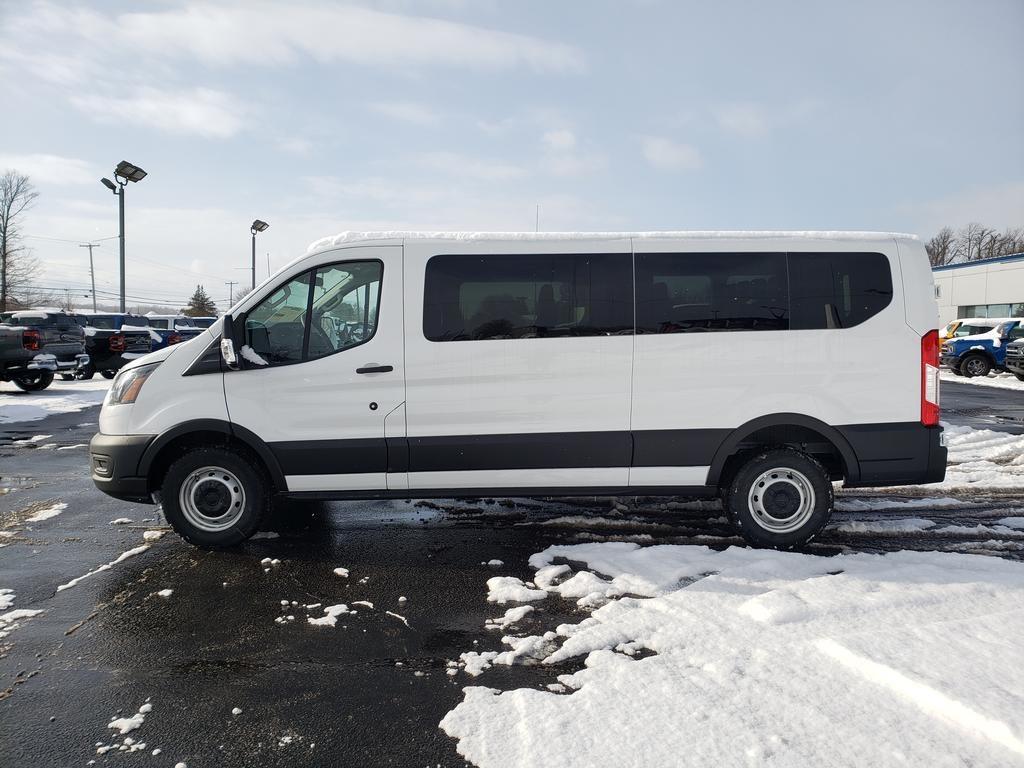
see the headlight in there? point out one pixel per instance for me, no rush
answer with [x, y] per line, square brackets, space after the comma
[128, 384]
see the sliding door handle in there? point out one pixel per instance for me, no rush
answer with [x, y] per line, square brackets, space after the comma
[374, 368]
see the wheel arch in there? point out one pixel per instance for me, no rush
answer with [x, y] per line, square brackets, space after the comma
[168, 445]
[781, 429]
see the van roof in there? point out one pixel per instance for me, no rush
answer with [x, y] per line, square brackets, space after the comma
[355, 237]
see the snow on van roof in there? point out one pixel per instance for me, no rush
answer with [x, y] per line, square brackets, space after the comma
[355, 237]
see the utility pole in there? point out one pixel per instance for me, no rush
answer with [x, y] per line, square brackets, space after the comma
[536, 221]
[231, 291]
[92, 275]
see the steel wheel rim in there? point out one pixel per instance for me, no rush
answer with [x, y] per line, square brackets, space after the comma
[781, 500]
[212, 499]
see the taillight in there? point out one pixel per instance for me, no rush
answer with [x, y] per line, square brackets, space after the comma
[930, 379]
[31, 340]
[174, 338]
[117, 342]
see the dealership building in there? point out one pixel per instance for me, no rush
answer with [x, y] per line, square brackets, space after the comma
[986, 288]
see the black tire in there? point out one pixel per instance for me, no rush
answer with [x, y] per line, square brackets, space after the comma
[33, 382]
[108, 374]
[233, 486]
[86, 372]
[67, 377]
[770, 523]
[975, 365]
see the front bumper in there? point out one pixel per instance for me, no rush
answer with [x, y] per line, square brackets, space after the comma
[114, 461]
[950, 361]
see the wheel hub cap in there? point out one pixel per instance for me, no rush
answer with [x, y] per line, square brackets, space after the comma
[212, 499]
[781, 500]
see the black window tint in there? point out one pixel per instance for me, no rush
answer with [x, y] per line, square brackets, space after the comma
[692, 292]
[837, 290]
[470, 297]
[105, 323]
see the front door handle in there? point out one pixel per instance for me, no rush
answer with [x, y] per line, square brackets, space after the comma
[374, 368]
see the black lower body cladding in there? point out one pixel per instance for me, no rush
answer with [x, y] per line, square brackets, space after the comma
[897, 454]
[114, 460]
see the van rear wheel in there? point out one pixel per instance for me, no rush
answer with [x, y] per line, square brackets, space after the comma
[779, 498]
[214, 498]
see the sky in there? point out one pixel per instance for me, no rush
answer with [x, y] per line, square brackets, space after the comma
[610, 115]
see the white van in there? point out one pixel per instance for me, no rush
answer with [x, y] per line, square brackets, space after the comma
[758, 366]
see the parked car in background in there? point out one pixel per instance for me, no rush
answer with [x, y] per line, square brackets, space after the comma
[112, 341]
[1015, 356]
[203, 322]
[981, 353]
[172, 329]
[972, 326]
[35, 344]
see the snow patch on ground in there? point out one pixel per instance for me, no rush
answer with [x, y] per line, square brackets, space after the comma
[332, 612]
[509, 589]
[871, 659]
[996, 380]
[59, 397]
[106, 567]
[982, 458]
[899, 525]
[11, 620]
[48, 512]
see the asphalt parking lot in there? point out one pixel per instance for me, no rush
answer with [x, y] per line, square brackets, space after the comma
[232, 669]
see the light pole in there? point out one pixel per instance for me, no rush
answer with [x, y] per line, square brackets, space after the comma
[257, 226]
[123, 173]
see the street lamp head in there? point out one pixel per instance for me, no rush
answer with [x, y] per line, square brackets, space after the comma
[129, 172]
[109, 184]
[258, 226]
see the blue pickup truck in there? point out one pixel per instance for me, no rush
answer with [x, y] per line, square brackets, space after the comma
[168, 330]
[977, 355]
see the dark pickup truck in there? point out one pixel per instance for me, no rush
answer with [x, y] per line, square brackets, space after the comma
[36, 344]
[112, 341]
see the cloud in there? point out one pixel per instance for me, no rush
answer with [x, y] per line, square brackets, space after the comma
[197, 111]
[266, 33]
[406, 111]
[667, 155]
[742, 119]
[51, 169]
[455, 164]
[561, 139]
[295, 145]
[996, 205]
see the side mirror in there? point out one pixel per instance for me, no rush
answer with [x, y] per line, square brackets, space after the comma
[227, 343]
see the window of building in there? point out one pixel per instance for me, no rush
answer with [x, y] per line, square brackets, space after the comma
[837, 290]
[991, 310]
[692, 292]
[474, 298]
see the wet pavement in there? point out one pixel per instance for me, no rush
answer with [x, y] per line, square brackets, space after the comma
[368, 691]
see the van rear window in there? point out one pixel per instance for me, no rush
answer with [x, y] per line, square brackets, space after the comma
[471, 297]
[837, 290]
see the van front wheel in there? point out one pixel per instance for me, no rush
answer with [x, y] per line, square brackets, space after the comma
[779, 498]
[213, 498]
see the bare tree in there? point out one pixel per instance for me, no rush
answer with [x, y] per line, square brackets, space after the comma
[16, 196]
[940, 247]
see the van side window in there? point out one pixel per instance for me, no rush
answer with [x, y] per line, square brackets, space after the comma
[346, 298]
[837, 290]
[693, 292]
[473, 298]
[275, 328]
[317, 313]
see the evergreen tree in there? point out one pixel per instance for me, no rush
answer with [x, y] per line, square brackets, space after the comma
[201, 305]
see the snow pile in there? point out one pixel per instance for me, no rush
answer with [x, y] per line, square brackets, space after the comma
[509, 589]
[754, 657]
[330, 617]
[342, 572]
[59, 397]
[982, 458]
